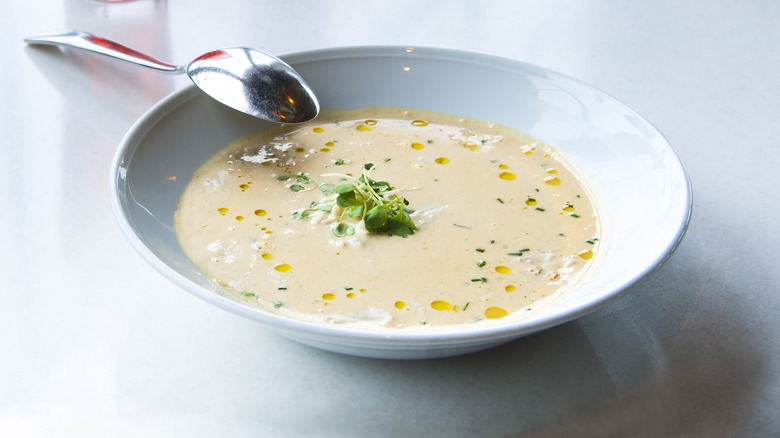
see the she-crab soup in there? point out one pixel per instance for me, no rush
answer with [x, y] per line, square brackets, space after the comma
[389, 218]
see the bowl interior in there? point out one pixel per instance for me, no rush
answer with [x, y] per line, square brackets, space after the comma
[640, 185]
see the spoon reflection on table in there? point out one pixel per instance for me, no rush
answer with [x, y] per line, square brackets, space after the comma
[244, 79]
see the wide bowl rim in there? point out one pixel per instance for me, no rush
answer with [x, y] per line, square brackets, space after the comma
[440, 336]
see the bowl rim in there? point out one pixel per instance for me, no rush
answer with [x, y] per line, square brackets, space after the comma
[443, 336]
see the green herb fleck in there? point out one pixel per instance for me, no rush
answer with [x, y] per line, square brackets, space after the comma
[519, 253]
[479, 280]
[574, 215]
[481, 263]
[480, 250]
[249, 294]
[539, 209]
[500, 200]
[278, 304]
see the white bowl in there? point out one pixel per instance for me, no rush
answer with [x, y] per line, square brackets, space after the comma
[641, 187]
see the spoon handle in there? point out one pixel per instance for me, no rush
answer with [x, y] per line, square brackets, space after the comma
[92, 43]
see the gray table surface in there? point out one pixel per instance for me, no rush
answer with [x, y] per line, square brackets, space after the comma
[94, 343]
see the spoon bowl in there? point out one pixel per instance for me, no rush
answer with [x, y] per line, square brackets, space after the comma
[244, 79]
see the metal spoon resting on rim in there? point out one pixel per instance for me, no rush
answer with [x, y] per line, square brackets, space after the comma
[250, 81]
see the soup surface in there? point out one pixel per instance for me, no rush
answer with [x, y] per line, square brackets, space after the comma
[389, 218]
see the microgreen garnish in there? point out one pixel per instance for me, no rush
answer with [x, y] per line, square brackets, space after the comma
[343, 230]
[327, 189]
[338, 162]
[377, 203]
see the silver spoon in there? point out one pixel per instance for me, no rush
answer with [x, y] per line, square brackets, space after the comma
[250, 81]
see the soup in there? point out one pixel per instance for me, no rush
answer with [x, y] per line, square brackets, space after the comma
[390, 218]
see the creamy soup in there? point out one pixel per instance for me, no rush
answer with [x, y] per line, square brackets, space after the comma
[389, 218]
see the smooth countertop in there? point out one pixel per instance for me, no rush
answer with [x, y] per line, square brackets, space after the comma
[95, 343]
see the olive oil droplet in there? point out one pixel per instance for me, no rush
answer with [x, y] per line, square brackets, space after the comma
[586, 255]
[553, 181]
[441, 306]
[495, 313]
[284, 267]
[503, 270]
